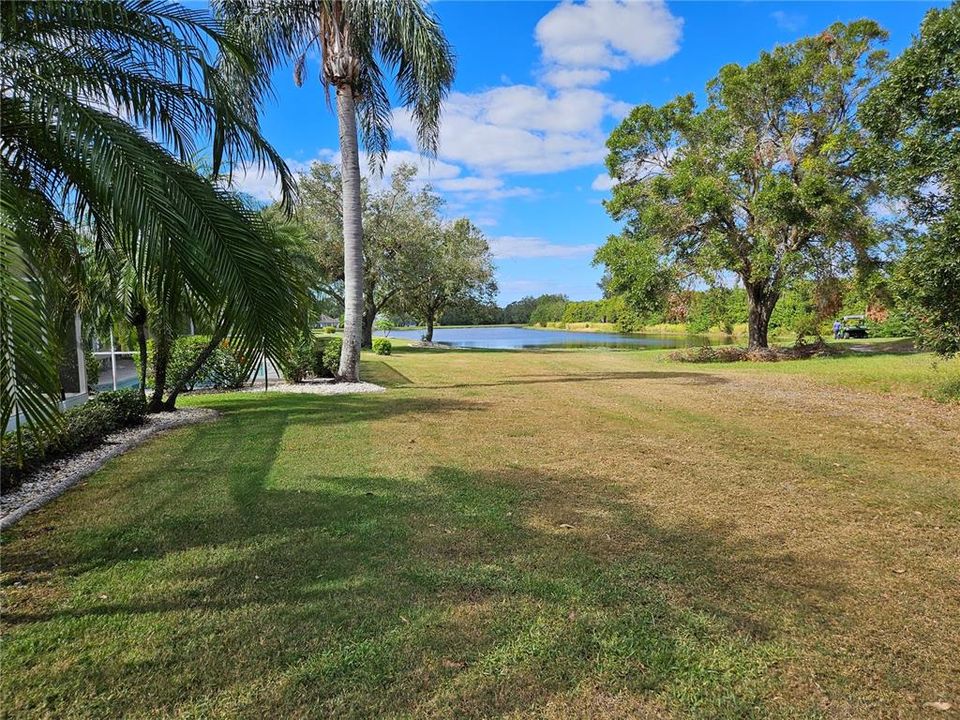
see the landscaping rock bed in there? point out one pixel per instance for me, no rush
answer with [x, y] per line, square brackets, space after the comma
[322, 386]
[55, 477]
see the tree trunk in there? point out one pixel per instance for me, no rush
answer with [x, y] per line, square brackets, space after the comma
[142, 347]
[760, 303]
[429, 336]
[368, 319]
[349, 370]
[161, 359]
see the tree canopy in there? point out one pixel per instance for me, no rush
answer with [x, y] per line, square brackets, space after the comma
[913, 119]
[455, 268]
[414, 262]
[761, 182]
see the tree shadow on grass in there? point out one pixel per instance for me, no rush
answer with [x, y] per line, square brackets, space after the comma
[217, 584]
[693, 378]
[381, 373]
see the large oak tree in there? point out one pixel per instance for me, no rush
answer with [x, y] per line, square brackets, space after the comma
[761, 182]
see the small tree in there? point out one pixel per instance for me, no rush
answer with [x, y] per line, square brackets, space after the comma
[761, 182]
[456, 266]
[384, 325]
[913, 117]
[549, 309]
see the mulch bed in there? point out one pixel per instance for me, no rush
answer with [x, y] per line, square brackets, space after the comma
[727, 353]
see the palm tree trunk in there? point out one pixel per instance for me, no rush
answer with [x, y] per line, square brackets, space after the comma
[161, 359]
[142, 348]
[349, 369]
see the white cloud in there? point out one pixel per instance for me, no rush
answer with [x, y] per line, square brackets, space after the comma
[574, 77]
[442, 176]
[521, 129]
[554, 126]
[611, 35]
[265, 186]
[528, 107]
[558, 124]
[509, 246]
[788, 21]
[603, 182]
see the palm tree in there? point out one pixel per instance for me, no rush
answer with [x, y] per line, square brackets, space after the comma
[355, 39]
[104, 104]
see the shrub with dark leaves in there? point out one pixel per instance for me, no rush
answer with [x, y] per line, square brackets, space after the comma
[81, 428]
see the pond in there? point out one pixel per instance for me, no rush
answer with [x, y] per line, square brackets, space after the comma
[507, 337]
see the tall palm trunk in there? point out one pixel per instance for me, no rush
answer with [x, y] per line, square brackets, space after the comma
[349, 370]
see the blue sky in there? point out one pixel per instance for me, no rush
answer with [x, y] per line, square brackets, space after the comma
[539, 86]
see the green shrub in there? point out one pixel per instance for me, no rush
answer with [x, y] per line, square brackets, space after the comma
[92, 364]
[329, 329]
[81, 428]
[330, 358]
[382, 346]
[317, 356]
[129, 405]
[896, 325]
[297, 362]
[224, 369]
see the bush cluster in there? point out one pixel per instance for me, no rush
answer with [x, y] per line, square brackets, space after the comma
[225, 369]
[330, 357]
[382, 346]
[81, 428]
[92, 363]
[316, 356]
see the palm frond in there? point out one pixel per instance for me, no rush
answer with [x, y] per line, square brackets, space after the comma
[28, 376]
[104, 106]
[402, 35]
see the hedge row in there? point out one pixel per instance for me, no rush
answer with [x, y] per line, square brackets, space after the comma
[81, 428]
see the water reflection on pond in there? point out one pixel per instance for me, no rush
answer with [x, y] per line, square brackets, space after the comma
[516, 338]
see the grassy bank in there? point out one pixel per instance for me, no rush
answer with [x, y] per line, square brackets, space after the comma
[520, 534]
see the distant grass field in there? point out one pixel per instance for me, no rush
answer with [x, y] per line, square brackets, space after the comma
[555, 534]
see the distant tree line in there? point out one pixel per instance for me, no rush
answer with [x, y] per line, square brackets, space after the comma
[805, 309]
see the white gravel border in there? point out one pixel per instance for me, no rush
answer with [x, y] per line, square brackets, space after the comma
[54, 478]
[317, 387]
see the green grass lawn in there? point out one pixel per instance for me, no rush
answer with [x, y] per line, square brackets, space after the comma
[511, 534]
